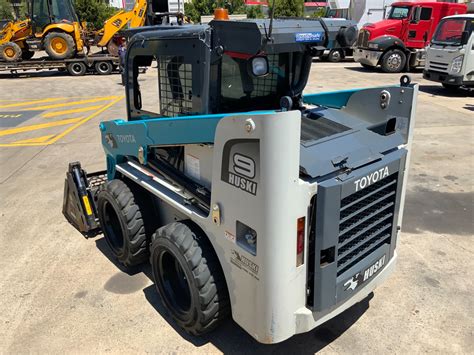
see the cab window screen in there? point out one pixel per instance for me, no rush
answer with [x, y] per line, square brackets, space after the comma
[240, 90]
[425, 13]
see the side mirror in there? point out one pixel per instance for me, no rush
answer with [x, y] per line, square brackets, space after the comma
[464, 37]
[259, 66]
[416, 15]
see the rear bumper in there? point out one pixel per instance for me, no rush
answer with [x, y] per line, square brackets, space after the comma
[367, 57]
[305, 319]
[444, 78]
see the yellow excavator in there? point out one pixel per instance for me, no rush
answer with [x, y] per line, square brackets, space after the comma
[54, 26]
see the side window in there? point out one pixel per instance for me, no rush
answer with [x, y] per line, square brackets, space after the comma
[426, 13]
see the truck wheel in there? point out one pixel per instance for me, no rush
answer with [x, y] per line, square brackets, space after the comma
[335, 55]
[122, 223]
[103, 68]
[59, 45]
[76, 68]
[10, 52]
[188, 277]
[393, 61]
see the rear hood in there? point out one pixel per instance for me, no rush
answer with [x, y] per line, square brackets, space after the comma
[384, 27]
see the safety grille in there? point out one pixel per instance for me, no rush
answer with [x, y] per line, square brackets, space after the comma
[363, 39]
[366, 221]
[175, 83]
[438, 66]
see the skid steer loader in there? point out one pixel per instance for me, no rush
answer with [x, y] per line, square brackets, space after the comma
[247, 196]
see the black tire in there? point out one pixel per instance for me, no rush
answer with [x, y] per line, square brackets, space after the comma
[451, 87]
[122, 223]
[335, 55]
[346, 36]
[393, 61]
[59, 45]
[103, 67]
[10, 52]
[77, 68]
[188, 277]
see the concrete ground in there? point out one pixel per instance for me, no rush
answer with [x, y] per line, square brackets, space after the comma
[62, 293]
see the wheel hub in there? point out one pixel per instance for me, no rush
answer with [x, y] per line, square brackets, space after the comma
[394, 61]
[9, 52]
[59, 45]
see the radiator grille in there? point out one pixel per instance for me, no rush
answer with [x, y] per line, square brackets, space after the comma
[175, 83]
[363, 39]
[366, 221]
[438, 66]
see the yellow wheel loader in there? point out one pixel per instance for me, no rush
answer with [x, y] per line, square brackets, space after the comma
[53, 26]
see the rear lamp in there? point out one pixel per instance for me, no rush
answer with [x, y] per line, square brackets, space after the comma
[300, 234]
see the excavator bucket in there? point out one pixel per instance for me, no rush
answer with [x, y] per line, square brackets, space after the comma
[80, 197]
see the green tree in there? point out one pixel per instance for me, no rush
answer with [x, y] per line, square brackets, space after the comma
[6, 10]
[255, 12]
[94, 12]
[289, 8]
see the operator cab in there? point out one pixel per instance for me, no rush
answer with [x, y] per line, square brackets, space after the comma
[224, 67]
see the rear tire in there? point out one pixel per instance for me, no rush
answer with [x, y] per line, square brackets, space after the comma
[394, 61]
[121, 219]
[335, 55]
[59, 45]
[188, 277]
[104, 67]
[10, 52]
[76, 68]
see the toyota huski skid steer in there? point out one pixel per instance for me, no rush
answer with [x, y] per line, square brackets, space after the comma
[247, 197]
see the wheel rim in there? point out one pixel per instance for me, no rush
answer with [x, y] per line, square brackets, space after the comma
[59, 45]
[77, 68]
[394, 61]
[336, 55]
[112, 229]
[103, 67]
[175, 285]
[9, 52]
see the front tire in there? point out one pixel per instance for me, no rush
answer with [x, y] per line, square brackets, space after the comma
[335, 55]
[188, 277]
[121, 219]
[59, 45]
[393, 61]
[10, 52]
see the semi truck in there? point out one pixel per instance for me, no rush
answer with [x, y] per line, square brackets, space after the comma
[247, 196]
[398, 42]
[450, 56]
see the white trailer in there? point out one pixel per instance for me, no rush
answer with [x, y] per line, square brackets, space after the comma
[361, 11]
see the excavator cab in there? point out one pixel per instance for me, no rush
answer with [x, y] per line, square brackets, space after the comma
[47, 12]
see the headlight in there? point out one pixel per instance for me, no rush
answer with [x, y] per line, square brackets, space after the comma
[457, 64]
[373, 46]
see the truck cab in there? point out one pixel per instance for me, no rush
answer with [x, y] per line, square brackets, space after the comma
[397, 43]
[450, 56]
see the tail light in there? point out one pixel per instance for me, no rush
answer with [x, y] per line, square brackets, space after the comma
[301, 224]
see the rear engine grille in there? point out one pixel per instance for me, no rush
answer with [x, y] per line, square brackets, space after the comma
[366, 221]
[363, 39]
[439, 66]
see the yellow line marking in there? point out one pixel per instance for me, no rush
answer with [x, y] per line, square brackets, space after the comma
[27, 103]
[72, 103]
[65, 112]
[7, 132]
[35, 140]
[69, 130]
[59, 136]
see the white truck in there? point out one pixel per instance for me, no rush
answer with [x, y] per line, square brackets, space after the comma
[361, 11]
[450, 56]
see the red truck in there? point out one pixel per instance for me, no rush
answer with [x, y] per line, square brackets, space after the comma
[398, 42]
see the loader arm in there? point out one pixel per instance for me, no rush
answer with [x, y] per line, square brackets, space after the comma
[136, 18]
